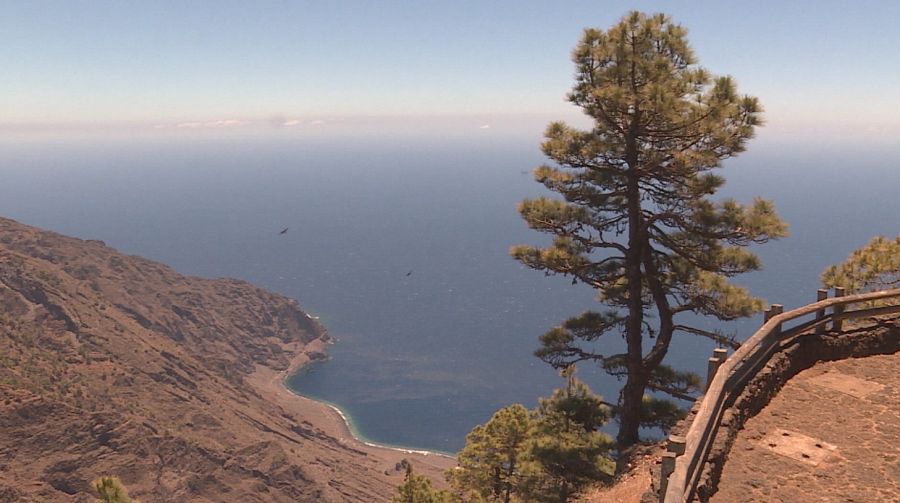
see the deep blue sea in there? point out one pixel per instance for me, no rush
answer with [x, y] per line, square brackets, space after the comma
[400, 246]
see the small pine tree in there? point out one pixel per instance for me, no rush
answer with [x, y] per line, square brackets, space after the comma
[566, 445]
[491, 464]
[417, 489]
[875, 266]
[111, 490]
[546, 455]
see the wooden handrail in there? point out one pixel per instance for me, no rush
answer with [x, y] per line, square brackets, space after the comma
[734, 372]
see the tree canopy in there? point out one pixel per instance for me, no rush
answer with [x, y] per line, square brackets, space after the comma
[636, 219]
[874, 267]
[566, 443]
[544, 455]
[417, 489]
[493, 465]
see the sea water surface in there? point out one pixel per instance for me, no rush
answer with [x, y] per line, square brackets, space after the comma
[400, 246]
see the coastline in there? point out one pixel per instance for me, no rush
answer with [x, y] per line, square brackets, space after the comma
[302, 361]
[351, 428]
[331, 421]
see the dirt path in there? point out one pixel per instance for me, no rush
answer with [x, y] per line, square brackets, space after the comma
[831, 435]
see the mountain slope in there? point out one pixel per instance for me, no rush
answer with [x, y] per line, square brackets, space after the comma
[113, 364]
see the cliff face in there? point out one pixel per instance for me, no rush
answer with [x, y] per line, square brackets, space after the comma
[113, 364]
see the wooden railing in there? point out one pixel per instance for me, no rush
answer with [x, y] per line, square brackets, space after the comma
[683, 463]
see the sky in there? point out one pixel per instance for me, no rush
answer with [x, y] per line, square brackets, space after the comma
[815, 65]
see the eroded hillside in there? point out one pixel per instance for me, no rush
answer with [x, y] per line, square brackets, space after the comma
[113, 364]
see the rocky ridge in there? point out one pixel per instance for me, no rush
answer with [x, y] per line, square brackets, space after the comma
[114, 364]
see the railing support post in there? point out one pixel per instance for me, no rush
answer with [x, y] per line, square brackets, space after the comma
[674, 448]
[665, 471]
[837, 325]
[676, 444]
[821, 294]
[775, 310]
[713, 364]
[721, 354]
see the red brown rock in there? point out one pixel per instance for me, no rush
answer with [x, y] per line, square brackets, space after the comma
[113, 364]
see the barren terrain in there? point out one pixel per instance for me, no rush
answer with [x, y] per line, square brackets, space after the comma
[113, 364]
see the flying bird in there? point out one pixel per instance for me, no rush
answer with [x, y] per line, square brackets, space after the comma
[284, 231]
[409, 273]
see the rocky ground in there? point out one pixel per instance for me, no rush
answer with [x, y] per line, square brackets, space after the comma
[832, 434]
[636, 483]
[113, 364]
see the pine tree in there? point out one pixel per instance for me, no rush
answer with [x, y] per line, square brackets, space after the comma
[417, 489]
[543, 455]
[566, 445]
[111, 490]
[636, 221]
[492, 465]
[874, 267]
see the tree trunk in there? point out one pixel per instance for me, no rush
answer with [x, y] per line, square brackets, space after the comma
[630, 409]
[633, 392]
[508, 482]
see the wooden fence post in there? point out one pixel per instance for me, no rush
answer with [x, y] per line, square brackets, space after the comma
[712, 367]
[721, 354]
[674, 447]
[665, 471]
[676, 444]
[775, 310]
[821, 294]
[837, 325]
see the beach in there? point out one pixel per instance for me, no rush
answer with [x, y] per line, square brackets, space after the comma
[330, 421]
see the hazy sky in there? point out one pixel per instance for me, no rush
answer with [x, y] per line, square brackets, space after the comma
[820, 64]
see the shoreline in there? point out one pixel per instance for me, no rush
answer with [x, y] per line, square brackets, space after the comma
[301, 360]
[331, 425]
[327, 425]
[348, 422]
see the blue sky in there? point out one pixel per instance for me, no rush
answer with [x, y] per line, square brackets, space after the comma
[817, 64]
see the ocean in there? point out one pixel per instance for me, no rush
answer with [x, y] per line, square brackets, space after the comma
[399, 244]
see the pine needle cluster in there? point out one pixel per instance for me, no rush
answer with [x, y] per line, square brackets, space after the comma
[874, 267]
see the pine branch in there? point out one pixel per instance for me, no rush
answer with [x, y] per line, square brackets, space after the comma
[661, 347]
[721, 339]
[671, 391]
